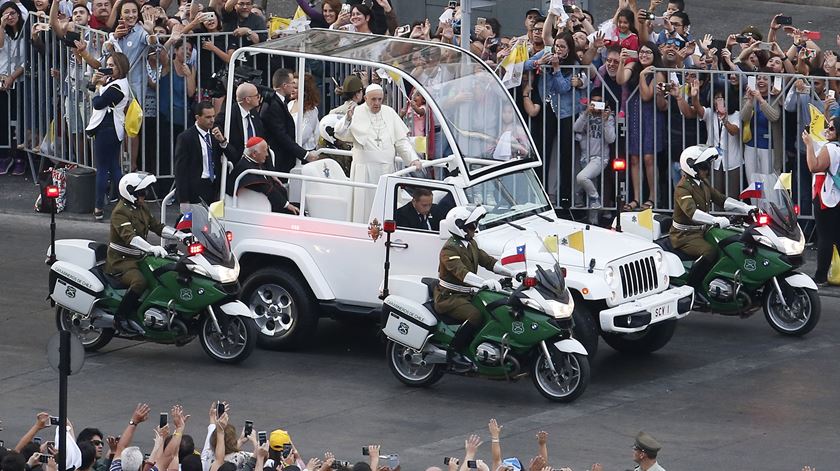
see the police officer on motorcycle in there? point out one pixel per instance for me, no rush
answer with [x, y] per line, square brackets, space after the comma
[131, 222]
[460, 258]
[693, 198]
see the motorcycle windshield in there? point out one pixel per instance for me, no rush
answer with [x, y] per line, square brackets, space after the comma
[210, 233]
[775, 201]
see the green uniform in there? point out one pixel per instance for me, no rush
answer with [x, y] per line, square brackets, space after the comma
[456, 261]
[690, 196]
[127, 222]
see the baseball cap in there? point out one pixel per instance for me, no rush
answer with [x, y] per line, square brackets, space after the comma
[534, 10]
[278, 438]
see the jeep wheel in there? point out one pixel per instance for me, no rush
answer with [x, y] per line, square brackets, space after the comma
[585, 331]
[647, 341]
[287, 316]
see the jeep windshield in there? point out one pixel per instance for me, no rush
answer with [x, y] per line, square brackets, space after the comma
[509, 197]
[487, 130]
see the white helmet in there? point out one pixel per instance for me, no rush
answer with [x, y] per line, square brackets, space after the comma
[134, 184]
[695, 157]
[327, 126]
[458, 219]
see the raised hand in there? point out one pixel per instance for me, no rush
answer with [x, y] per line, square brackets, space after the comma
[42, 420]
[471, 445]
[495, 429]
[542, 437]
[536, 464]
[597, 467]
[706, 41]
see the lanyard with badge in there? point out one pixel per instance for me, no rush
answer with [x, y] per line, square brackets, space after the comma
[720, 110]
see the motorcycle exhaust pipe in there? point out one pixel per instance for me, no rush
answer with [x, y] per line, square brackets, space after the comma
[101, 319]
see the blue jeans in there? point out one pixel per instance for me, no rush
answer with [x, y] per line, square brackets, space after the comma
[106, 154]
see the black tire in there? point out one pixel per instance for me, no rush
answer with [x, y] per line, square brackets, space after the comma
[586, 329]
[401, 370]
[783, 320]
[265, 292]
[647, 341]
[92, 338]
[574, 372]
[231, 326]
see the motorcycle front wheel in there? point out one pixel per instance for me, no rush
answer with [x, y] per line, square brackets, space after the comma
[798, 316]
[409, 372]
[81, 325]
[234, 343]
[573, 375]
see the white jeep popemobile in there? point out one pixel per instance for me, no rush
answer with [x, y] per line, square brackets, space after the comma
[296, 269]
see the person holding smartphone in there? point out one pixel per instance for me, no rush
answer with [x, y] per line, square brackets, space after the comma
[761, 112]
[12, 60]
[723, 128]
[824, 164]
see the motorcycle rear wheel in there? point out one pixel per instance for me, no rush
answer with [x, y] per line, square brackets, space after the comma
[799, 317]
[234, 344]
[92, 338]
[572, 369]
[416, 376]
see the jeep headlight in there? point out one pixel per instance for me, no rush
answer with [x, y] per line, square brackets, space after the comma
[560, 310]
[657, 257]
[609, 275]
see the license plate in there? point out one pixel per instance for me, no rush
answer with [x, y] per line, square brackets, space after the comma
[661, 311]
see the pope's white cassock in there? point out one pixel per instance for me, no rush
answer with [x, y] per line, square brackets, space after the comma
[377, 138]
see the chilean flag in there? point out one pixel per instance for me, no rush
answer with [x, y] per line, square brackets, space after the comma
[185, 222]
[519, 256]
[755, 190]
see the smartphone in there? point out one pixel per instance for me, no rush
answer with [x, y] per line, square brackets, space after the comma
[569, 8]
[54, 419]
[472, 464]
[830, 94]
[220, 408]
[751, 82]
[446, 459]
[105, 70]
[762, 46]
[777, 83]
[44, 459]
[599, 105]
[249, 427]
[718, 44]
[207, 16]
[287, 448]
[659, 21]
[36, 440]
[345, 8]
[632, 53]
[393, 461]
[741, 39]
[812, 35]
[784, 20]
[164, 419]
[548, 50]
[146, 457]
[403, 30]
[262, 437]
[2, 444]
[481, 21]
[453, 4]
[365, 451]
[650, 16]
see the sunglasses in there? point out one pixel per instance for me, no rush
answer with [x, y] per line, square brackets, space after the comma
[96, 442]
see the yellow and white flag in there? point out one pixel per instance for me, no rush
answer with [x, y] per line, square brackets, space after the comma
[514, 65]
[646, 219]
[574, 241]
[817, 127]
[299, 13]
[784, 182]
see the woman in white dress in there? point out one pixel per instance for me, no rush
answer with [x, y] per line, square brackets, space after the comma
[308, 128]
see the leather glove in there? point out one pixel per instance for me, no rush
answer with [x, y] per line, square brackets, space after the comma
[158, 251]
[722, 222]
[492, 284]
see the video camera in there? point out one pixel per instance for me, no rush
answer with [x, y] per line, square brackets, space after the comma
[217, 86]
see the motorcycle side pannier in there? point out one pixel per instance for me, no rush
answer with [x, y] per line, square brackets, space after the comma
[74, 288]
[407, 322]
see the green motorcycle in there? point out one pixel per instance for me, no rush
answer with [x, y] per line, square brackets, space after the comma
[190, 295]
[527, 330]
[756, 268]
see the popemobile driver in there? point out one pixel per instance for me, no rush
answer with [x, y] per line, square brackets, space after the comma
[693, 198]
[131, 222]
[460, 258]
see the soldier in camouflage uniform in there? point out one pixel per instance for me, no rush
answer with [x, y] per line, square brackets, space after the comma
[693, 198]
[131, 222]
[460, 258]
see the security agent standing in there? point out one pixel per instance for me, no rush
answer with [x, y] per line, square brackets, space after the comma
[645, 450]
[693, 198]
[131, 222]
[460, 258]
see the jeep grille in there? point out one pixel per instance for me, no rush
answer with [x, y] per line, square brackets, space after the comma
[638, 277]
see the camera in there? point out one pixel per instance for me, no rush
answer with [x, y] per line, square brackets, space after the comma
[569, 8]
[337, 464]
[650, 16]
[44, 459]
[453, 4]
[54, 420]
[217, 88]
[105, 70]
[664, 88]
[249, 427]
[262, 437]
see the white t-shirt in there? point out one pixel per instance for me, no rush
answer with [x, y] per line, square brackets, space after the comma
[830, 194]
[730, 146]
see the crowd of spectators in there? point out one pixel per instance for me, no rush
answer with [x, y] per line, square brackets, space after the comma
[225, 447]
[659, 86]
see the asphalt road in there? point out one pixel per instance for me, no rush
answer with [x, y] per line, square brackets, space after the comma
[725, 393]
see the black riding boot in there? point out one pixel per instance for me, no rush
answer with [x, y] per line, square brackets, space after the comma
[695, 279]
[463, 337]
[127, 310]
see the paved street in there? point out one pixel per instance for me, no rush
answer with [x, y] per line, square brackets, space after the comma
[725, 393]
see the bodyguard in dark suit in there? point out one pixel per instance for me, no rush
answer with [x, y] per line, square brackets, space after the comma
[197, 158]
[245, 123]
[279, 124]
[419, 213]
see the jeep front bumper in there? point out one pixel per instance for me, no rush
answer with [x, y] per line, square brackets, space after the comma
[635, 316]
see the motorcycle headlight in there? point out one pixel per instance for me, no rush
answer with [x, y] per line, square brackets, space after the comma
[228, 275]
[793, 247]
[198, 269]
[560, 310]
[609, 275]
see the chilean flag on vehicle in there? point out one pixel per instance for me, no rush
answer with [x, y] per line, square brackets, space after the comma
[185, 222]
[519, 256]
[755, 190]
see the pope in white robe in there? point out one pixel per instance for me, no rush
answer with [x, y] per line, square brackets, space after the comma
[378, 135]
